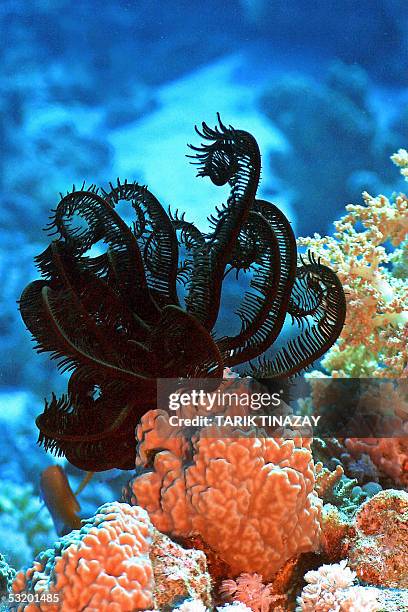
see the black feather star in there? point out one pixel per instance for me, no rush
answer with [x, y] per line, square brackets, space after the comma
[114, 319]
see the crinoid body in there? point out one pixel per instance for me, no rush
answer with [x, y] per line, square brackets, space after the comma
[115, 321]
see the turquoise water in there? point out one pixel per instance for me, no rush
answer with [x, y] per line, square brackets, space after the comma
[100, 90]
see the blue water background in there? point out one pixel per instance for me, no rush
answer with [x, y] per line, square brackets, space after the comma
[98, 90]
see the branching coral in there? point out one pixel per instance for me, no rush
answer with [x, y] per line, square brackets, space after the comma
[400, 159]
[333, 452]
[338, 490]
[249, 589]
[387, 403]
[331, 588]
[114, 319]
[250, 498]
[390, 455]
[373, 341]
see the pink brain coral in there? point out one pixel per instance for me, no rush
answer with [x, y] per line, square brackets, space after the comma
[103, 566]
[250, 498]
[116, 562]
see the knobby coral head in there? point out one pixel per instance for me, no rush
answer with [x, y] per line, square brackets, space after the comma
[116, 320]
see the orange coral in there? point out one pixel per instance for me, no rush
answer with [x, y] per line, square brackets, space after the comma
[379, 552]
[390, 455]
[337, 530]
[103, 566]
[116, 562]
[250, 498]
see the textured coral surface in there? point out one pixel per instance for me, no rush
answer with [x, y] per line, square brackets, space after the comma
[332, 588]
[379, 553]
[251, 499]
[179, 574]
[389, 454]
[118, 562]
[103, 566]
[374, 338]
[248, 589]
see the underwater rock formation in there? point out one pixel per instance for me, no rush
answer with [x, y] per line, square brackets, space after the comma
[337, 529]
[379, 552]
[108, 308]
[179, 574]
[251, 499]
[117, 561]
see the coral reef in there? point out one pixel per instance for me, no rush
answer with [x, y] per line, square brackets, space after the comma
[115, 321]
[116, 561]
[180, 575]
[234, 607]
[333, 452]
[373, 340]
[107, 307]
[192, 605]
[336, 489]
[249, 589]
[400, 159]
[374, 459]
[390, 455]
[220, 487]
[104, 565]
[331, 588]
[379, 552]
[7, 575]
[196, 605]
[337, 529]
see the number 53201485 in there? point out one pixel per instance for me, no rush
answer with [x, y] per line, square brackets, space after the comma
[23, 597]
